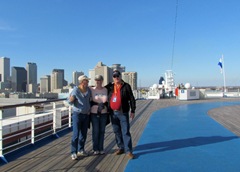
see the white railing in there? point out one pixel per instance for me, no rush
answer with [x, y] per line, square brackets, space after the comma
[219, 93]
[19, 131]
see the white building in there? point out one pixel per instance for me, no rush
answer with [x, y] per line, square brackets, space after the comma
[75, 76]
[131, 78]
[101, 69]
[45, 84]
[57, 79]
[4, 69]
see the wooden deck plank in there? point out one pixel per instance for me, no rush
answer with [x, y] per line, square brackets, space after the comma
[229, 117]
[55, 155]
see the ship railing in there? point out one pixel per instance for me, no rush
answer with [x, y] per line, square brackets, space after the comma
[26, 129]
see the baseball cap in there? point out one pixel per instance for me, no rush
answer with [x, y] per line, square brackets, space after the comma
[116, 72]
[83, 77]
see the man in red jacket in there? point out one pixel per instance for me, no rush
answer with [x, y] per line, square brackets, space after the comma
[120, 100]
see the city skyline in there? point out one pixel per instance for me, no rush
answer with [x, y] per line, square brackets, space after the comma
[32, 69]
[76, 35]
[25, 79]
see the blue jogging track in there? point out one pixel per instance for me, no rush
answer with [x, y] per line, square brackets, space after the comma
[184, 138]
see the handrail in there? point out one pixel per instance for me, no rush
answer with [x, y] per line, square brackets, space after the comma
[58, 115]
[30, 103]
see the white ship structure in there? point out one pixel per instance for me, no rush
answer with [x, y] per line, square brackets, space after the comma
[165, 87]
[168, 88]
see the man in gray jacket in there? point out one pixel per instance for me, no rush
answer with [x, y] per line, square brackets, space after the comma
[80, 99]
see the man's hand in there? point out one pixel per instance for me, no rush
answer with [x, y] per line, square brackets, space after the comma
[132, 115]
[71, 98]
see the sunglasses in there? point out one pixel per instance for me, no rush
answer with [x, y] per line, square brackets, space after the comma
[116, 76]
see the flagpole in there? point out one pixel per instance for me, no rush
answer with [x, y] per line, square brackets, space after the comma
[224, 78]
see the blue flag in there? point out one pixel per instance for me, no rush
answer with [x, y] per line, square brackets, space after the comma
[220, 64]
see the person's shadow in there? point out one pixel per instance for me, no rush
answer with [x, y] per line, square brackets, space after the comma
[178, 144]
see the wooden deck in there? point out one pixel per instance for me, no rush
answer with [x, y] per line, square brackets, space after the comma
[55, 155]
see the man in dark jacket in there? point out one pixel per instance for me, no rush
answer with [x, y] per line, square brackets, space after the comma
[121, 99]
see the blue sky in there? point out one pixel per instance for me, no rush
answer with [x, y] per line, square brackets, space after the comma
[76, 34]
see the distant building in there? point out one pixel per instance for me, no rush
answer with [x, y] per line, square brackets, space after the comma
[105, 71]
[75, 77]
[4, 69]
[5, 80]
[31, 77]
[91, 75]
[45, 84]
[19, 79]
[5, 85]
[21, 95]
[100, 69]
[131, 78]
[57, 79]
[48, 95]
[118, 67]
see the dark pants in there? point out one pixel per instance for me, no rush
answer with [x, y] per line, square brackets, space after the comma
[80, 126]
[121, 128]
[99, 124]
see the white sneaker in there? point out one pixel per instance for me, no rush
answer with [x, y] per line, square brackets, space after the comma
[82, 153]
[95, 152]
[74, 156]
[102, 152]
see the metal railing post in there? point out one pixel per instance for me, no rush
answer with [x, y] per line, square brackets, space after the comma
[1, 137]
[29, 123]
[54, 117]
[55, 120]
[69, 116]
[33, 125]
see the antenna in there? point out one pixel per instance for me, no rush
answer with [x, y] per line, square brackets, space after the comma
[174, 33]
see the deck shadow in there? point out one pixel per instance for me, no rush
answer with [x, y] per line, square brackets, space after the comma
[178, 144]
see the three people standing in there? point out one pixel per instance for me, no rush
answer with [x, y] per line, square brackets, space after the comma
[115, 98]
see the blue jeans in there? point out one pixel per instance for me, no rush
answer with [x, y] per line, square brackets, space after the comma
[99, 124]
[80, 126]
[121, 128]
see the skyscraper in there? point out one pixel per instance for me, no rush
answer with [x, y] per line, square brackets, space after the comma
[19, 79]
[105, 71]
[45, 84]
[91, 74]
[75, 77]
[101, 69]
[31, 77]
[57, 79]
[118, 67]
[131, 78]
[4, 69]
